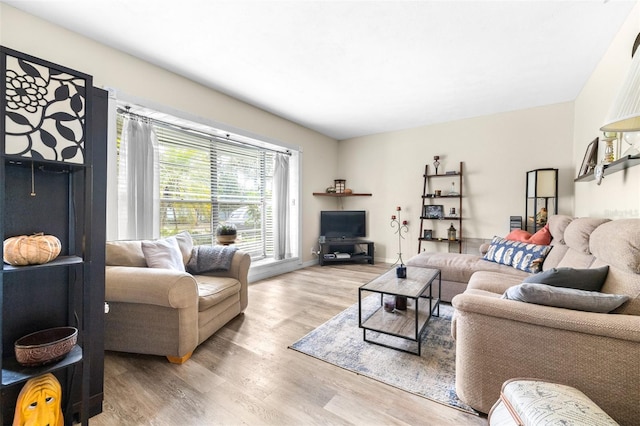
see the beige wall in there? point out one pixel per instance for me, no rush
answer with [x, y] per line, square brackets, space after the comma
[619, 194]
[497, 151]
[112, 68]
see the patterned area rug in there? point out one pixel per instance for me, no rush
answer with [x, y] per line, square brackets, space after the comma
[431, 375]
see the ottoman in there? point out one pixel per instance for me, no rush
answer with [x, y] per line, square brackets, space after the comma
[528, 402]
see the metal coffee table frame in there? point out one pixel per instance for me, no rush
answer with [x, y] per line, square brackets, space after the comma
[404, 324]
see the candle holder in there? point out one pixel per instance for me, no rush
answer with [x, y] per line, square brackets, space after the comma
[436, 162]
[400, 226]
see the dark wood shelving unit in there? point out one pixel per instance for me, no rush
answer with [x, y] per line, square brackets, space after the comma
[428, 197]
[623, 163]
[57, 187]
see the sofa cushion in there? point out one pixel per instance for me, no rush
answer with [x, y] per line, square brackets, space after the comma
[164, 254]
[458, 267]
[617, 243]
[523, 256]
[125, 253]
[578, 232]
[582, 279]
[557, 225]
[213, 290]
[560, 297]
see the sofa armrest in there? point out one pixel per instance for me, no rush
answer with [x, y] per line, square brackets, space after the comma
[239, 270]
[152, 286]
[498, 339]
[625, 327]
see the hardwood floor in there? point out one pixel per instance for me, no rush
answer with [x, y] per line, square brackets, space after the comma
[245, 373]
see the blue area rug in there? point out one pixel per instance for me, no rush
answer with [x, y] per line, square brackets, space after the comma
[431, 375]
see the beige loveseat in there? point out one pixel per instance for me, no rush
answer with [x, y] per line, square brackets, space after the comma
[168, 312]
[598, 353]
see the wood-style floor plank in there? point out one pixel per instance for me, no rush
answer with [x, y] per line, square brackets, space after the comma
[246, 375]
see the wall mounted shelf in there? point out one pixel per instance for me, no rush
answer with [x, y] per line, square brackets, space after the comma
[623, 163]
[333, 194]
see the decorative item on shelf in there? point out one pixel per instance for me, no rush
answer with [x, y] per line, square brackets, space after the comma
[330, 190]
[45, 346]
[452, 190]
[589, 160]
[633, 140]
[436, 163]
[451, 233]
[452, 212]
[427, 234]
[40, 402]
[435, 211]
[389, 304]
[33, 249]
[609, 151]
[45, 109]
[348, 191]
[541, 217]
[401, 226]
[226, 233]
[339, 185]
[437, 193]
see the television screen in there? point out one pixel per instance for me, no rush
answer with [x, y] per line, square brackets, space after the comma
[343, 224]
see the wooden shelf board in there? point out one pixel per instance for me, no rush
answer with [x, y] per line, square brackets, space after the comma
[618, 165]
[333, 194]
[13, 373]
[61, 260]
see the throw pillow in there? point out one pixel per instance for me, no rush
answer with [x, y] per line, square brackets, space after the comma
[542, 237]
[582, 279]
[523, 256]
[163, 254]
[569, 298]
[518, 235]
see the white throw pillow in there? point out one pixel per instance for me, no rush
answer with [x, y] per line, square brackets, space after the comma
[164, 254]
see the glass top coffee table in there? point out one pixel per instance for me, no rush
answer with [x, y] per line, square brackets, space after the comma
[407, 324]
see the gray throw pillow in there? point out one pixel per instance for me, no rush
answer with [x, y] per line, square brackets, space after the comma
[560, 297]
[582, 279]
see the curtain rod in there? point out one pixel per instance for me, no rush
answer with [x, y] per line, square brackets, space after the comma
[196, 132]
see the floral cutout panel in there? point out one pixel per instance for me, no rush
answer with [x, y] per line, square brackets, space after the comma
[45, 110]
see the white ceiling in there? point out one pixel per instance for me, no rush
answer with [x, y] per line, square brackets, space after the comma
[352, 68]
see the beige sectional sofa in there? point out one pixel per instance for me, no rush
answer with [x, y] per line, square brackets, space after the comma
[168, 312]
[598, 353]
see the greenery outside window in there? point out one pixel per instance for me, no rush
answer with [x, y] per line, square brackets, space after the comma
[205, 180]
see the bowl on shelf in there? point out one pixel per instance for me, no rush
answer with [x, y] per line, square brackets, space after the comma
[45, 346]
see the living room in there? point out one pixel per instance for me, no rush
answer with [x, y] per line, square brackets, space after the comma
[497, 148]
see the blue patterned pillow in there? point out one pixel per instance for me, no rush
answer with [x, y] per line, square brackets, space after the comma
[523, 256]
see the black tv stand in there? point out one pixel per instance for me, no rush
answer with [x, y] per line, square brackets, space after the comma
[348, 251]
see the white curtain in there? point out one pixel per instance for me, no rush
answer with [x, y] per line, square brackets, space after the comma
[138, 182]
[281, 214]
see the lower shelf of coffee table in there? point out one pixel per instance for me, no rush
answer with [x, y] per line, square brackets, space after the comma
[402, 323]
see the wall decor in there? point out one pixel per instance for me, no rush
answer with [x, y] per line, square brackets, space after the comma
[590, 158]
[435, 211]
[44, 109]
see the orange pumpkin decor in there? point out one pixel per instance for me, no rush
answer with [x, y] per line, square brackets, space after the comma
[31, 249]
[39, 403]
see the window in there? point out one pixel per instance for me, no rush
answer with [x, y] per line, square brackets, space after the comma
[206, 180]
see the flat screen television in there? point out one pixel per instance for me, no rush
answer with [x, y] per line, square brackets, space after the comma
[343, 224]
